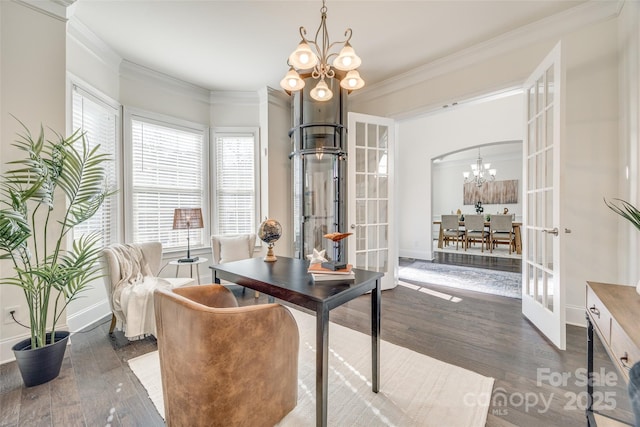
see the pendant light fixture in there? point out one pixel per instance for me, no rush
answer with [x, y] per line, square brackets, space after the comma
[316, 62]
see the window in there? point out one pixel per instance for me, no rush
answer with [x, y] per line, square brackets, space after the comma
[167, 171]
[99, 121]
[236, 181]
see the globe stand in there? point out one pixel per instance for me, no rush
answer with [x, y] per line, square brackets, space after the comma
[270, 257]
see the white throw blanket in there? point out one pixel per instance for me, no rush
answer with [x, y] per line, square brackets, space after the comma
[133, 294]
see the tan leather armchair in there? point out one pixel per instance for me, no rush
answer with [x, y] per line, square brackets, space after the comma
[224, 365]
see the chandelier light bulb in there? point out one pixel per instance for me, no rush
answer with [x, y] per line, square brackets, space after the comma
[303, 57]
[321, 92]
[292, 81]
[352, 81]
[347, 59]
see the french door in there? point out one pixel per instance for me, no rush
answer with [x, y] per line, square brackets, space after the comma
[543, 290]
[370, 204]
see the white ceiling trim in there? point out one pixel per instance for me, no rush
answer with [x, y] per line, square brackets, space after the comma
[135, 72]
[551, 27]
[87, 39]
[59, 9]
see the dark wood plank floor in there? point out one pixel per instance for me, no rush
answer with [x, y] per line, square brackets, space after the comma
[483, 333]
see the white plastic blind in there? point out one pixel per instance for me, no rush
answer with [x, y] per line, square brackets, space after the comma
[235, 202]
[99, 121]
[167, 174]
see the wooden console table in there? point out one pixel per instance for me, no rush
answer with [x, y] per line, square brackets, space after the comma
[613, 312]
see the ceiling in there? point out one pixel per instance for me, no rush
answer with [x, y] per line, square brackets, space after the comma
[243, 45]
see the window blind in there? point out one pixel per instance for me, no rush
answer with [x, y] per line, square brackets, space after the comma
[167, 174]
[235, 171]
[99, 121]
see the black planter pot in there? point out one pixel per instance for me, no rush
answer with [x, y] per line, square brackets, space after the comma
[40, 365]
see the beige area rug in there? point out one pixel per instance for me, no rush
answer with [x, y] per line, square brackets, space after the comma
[415, 390]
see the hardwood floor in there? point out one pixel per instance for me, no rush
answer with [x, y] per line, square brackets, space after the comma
[483, 333]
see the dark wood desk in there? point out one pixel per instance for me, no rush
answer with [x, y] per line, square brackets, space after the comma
[287, 279]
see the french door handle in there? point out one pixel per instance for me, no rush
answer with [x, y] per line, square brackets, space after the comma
[553, 231]
[353, 226]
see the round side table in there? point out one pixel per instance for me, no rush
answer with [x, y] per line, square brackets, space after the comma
[195, 263]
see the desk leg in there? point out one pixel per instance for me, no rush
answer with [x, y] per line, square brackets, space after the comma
[375, 337]
[177, 268]
[589, 410]
[440, 237]
[322, 365]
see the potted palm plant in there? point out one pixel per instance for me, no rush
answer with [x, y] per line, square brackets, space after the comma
[630, 213]
[34, 235]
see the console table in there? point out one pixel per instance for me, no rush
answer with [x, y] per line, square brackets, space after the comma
[287, 279]
[613, 312]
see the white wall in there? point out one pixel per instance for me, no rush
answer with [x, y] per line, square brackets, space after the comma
[447, 182]
[589, 161]
[33, 90]
[425, 138]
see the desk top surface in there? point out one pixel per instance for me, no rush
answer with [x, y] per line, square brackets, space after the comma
[288, 279]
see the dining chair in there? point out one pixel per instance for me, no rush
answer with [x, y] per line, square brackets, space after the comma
[451, 229]
[501, 231]
[474, 230]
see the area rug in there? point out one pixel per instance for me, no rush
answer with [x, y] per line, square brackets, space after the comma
[494, 282]
[415, 390]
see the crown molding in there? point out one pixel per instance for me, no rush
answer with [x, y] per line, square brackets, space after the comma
[554, 26]
[275, 97]
[86, 38]
[234, 97]
[58, 9]
[136, 72]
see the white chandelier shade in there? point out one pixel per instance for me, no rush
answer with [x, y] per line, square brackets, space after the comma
[480, 173]
[313, 57]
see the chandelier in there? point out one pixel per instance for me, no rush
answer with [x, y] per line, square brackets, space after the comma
[304, 60]
[481, 172]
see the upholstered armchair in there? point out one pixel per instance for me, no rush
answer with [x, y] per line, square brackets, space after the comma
[130, 277]
[228, 248]
[223, 365]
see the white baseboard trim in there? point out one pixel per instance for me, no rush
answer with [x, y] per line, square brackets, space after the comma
[575, 316]
[407, 253]
[75, 322]
[87, 316]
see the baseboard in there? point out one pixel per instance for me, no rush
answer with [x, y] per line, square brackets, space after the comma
[575, 316]
[415, 254]
[75, 322]
[88, 316]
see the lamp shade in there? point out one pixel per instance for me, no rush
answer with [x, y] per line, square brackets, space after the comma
[187, 218]
[303, 57]
[347, 59]
[321, 92]
[352, 81]
[292, 81]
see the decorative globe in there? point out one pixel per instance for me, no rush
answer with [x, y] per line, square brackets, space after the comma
[269, 232]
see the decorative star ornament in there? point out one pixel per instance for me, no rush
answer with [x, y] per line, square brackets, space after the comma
[317, 257]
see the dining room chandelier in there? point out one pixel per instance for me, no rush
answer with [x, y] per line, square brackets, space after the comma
[480, 173]
[316, 61]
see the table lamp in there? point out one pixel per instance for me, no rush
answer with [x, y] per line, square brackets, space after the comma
[187, 218]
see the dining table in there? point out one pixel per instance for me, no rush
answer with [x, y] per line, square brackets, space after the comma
[516, 233]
